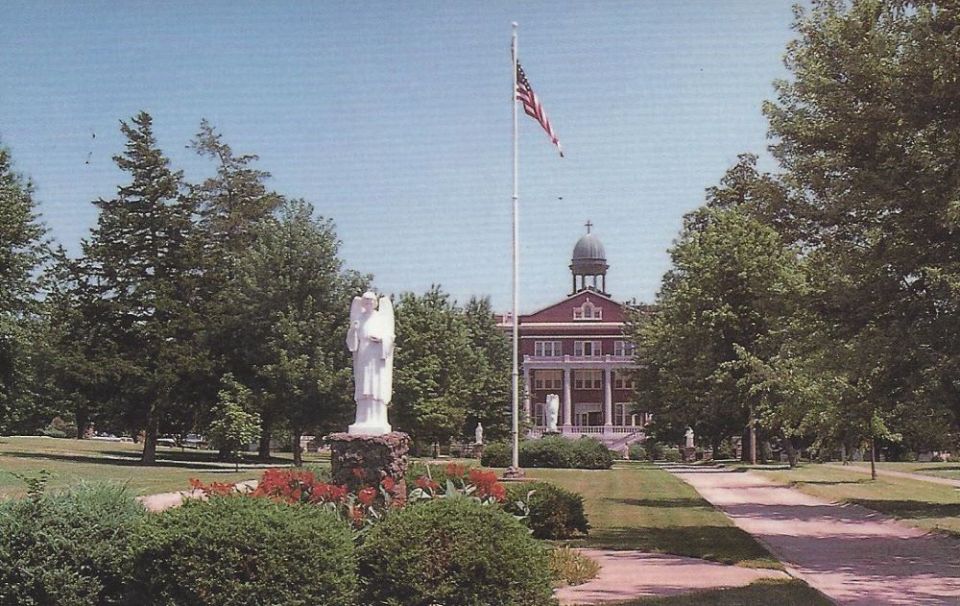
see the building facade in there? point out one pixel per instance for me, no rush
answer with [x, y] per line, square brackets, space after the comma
[576, 349]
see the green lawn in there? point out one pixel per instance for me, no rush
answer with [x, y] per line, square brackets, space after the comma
[760, 593]
[641, 507]
[74, 461]
[924, 504]
[951, 471]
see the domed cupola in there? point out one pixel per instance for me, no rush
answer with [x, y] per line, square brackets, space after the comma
[589, 261]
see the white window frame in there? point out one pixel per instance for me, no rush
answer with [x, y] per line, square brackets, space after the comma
[588, 311]
[589, 378]
[580, 348]
[622, 380]
[548, 349]
[548, 379]
[623, 348]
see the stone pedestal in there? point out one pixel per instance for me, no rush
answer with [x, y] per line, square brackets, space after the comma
[359, 460]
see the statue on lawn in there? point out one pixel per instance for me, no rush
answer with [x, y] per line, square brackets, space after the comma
[370, 338]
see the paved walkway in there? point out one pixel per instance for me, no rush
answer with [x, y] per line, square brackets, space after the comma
[899, 474]
[166, 500]
[627, 575]
[850, 553]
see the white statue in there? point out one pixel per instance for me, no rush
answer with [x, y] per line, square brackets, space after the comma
[689, 437]
[370, 338]
[553, 412]
[478, 433]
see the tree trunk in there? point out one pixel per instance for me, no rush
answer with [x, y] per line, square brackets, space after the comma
[82, 418]
[791, 452]
[753, 442]
[150, 441]
[266, 428]
[873, 458]
[843, 454]
[297, 450]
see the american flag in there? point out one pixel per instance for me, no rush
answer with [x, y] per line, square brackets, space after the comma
[531, 105]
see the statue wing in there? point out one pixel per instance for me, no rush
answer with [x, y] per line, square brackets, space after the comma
[353, 342]
[385, 309]
[354, 310]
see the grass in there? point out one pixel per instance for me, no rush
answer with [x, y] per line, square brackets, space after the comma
[71, 462]
[641, 507]
[916, 502]
[760, 593]
[950, 471]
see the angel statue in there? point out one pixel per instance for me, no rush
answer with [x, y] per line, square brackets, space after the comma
[370, 338]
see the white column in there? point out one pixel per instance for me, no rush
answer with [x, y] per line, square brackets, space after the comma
[567, 400]
[607, 397]
[526, 394]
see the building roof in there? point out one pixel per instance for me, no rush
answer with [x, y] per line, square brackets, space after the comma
[588, 248]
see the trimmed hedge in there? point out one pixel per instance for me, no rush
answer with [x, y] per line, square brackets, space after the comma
[239, 550]
[67, 549]
[554, 512]
[553, 452]
[455, 552]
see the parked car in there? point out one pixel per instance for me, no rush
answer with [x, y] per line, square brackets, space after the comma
[193, 440]
[166, 442]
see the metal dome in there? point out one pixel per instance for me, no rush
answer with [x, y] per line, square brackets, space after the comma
[588, 248]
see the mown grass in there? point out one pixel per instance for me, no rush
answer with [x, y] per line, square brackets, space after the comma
[645, 508]
[71, 462]
[923, 504]
[759, 593]
[950, 471]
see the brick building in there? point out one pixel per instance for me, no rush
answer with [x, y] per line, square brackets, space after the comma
[576, 349]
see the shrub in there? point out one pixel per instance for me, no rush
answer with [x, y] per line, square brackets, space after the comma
[239, 550]
[59, 428]
[554, 452]
[569, 566]
[553, 512]
[654, 450]
[67, 549]
[455, 552]
[638, 452]
[671, 455]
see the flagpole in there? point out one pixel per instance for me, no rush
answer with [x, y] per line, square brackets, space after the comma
[516, 271]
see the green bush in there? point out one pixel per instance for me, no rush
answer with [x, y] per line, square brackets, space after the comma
[554, 513]
[553, 452]
[654, 450]
[671, 455]
[67, 549]
[454, 552]
[240, 550]
[638, 452]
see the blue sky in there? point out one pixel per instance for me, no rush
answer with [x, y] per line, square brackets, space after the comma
[394, 120]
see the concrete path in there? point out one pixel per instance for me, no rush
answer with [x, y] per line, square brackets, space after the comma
[899, 474]
[166, 500]
[850, 553]
[627, 575]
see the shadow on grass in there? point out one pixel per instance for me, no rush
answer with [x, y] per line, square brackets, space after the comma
[725, 544]
[782, 593]
[833, 482]
[194, 456]
[677, 502]
[911, 509]
[121, 461]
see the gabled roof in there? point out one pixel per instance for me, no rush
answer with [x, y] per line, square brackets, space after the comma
[562, 311]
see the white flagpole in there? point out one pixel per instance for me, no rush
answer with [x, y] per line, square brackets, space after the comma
[516, 269]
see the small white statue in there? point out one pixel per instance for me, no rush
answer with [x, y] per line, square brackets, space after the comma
[553, 412]
[370, 338]
[478, 433]
[689, 437]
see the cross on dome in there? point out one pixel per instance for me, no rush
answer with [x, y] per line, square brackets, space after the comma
[588, 225]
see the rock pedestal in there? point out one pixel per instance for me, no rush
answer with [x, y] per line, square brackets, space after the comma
[359, 460]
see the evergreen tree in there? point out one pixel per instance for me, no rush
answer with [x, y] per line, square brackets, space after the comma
[143, 265]
[22, 250]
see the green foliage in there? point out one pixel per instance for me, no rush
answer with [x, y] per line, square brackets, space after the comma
[671, 454]
[447, 357]
[554, 451]
[233, 427]
[637, 452]
[455, 552]
[69, 549]
[234, 550]
[551, 512]
[572, 567]
[58, 428]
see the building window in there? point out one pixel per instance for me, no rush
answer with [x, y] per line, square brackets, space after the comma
[587, 379]
[587, 349]
[548, 379]
[622, 380]
[547, 349]
[623, 348]
[588, 311]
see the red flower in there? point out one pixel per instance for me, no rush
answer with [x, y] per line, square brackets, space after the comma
[498, 492]
[358, 473]
[356, 516]
[388, 484]
[425, 483]
[455, 471]
[367, 495]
